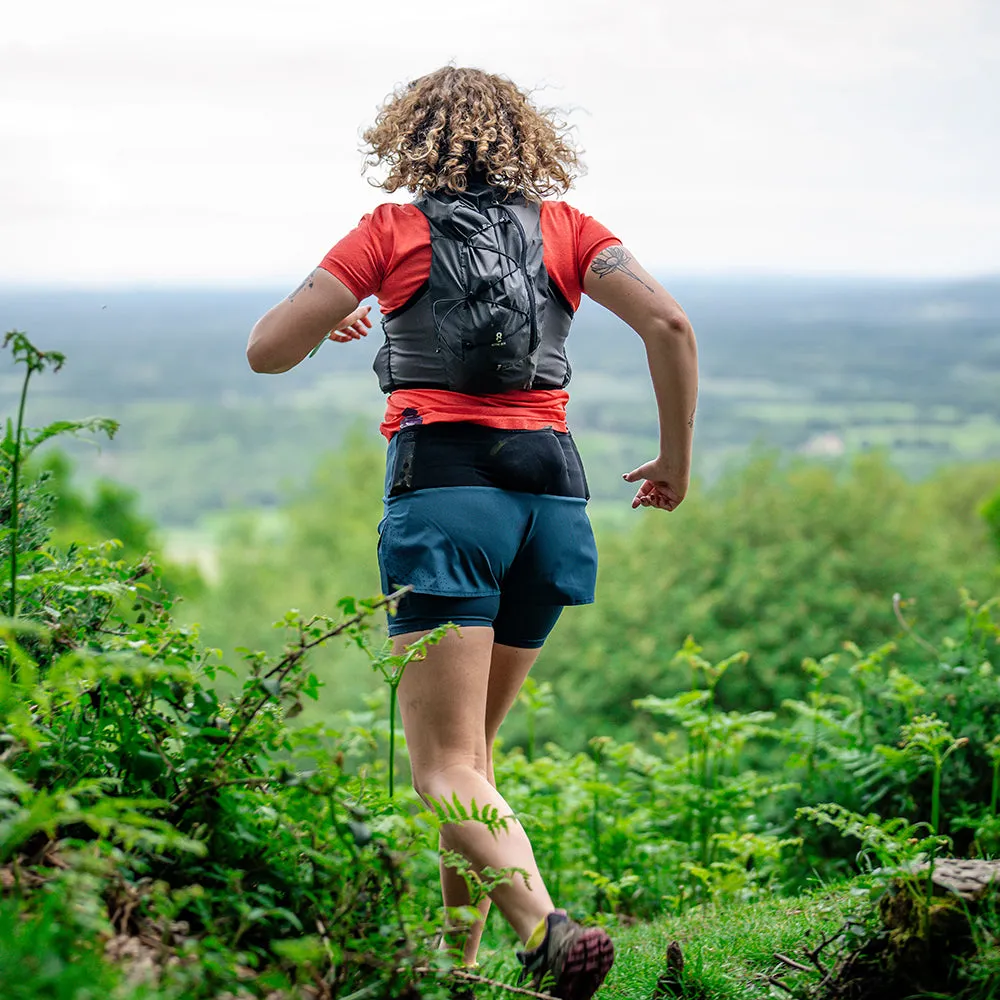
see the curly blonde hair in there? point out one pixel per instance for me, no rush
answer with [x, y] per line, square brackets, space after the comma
[456, 124]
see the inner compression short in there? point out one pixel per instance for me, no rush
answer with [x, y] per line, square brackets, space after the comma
[523, 624]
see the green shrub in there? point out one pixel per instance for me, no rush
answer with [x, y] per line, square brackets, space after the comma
[251, 852]
[787, 561]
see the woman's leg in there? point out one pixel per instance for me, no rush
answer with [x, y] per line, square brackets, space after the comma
[443, 702]
[509, 666]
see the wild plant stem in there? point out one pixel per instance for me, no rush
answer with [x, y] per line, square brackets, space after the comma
[691, 767]
[935, 817]
[995, 792]
[704, 819]
[392, 738]
[595, 821]
[14, 515]
[813, 747]
[936, 798]
[862, 713]
[706, 779]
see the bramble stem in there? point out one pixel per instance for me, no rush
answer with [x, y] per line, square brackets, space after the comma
[936, 798]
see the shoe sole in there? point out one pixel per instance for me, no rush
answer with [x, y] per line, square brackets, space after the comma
[587, 962]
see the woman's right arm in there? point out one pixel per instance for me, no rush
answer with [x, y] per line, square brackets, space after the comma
[619, 283]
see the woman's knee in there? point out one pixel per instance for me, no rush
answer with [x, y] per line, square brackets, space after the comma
[441, 782]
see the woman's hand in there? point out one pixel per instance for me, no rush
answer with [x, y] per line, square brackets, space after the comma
[662, 487]
[354, 327]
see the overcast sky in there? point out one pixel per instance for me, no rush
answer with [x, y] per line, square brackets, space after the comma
[218, 143]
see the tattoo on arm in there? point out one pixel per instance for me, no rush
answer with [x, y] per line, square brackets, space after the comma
[691, 419]
[612, 259]
[307, 281]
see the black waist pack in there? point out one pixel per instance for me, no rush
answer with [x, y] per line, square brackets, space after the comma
[462, 454]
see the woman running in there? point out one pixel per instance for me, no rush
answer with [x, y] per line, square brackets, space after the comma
[485, 500]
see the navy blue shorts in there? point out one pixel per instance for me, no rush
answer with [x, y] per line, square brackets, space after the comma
[489, 527]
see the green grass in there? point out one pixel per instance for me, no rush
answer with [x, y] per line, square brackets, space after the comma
[727, 948]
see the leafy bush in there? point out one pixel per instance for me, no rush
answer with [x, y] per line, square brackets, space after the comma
[785, 560]
[241, 845]
[247, 850]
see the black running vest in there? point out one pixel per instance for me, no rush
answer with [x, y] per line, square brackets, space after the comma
[488, 318]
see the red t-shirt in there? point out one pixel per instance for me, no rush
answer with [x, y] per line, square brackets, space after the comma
[388, 255]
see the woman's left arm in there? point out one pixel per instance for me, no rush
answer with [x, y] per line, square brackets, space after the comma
[322, 306]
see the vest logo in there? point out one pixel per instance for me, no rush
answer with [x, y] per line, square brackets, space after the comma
[498, 339]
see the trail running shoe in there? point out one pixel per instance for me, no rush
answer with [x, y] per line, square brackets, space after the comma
[572, 960]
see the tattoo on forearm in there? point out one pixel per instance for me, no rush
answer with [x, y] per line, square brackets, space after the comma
[613, 259]
[691, 419]
[306, 282]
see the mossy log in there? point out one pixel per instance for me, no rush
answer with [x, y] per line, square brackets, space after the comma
[923, 942]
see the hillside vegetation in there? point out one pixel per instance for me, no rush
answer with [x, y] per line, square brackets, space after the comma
[183, 821]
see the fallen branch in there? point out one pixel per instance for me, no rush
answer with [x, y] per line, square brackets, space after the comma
[813, 955]
[791, 963]
[471, 977]
[774, 981]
